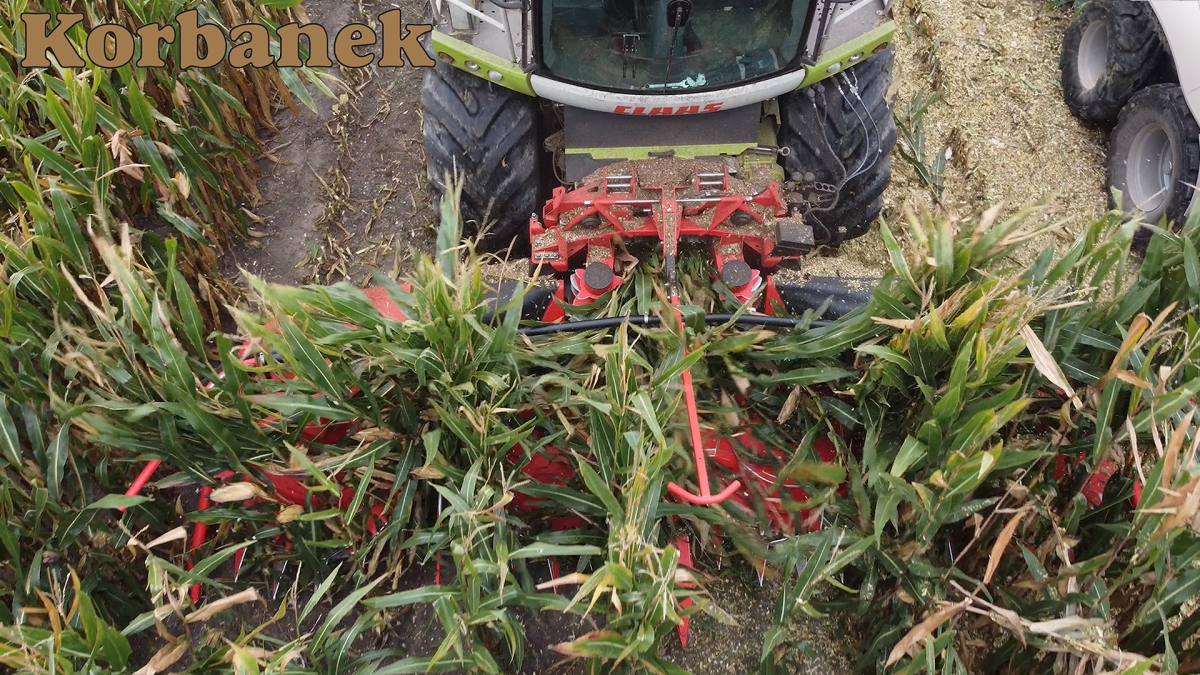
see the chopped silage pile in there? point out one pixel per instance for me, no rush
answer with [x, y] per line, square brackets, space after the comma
[1000, 121]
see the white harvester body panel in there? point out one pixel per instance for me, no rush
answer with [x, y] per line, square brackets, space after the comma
[1180, 23]
[630, 103]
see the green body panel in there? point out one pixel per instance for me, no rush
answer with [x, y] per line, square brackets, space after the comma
[511, 76]
[750, 163]
[865, 45]
[514, 78]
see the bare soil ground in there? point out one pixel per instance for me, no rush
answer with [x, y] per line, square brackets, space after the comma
[344, 188]
[344, 192]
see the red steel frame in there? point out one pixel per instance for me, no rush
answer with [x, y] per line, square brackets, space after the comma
[588, 219]
[586, 222]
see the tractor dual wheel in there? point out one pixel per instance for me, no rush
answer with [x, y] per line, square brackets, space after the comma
[489, 135]
[840, 134]
[1154, 157]
[1111, 49]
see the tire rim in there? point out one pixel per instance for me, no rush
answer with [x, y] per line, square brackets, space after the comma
[1093, 54]
[1150, 169]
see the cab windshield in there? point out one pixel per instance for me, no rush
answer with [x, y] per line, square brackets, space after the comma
[669, 45]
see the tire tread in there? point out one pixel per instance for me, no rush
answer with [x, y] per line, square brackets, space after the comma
[1133, 64]
[821, 126]
[1164, 105]
[489, 134]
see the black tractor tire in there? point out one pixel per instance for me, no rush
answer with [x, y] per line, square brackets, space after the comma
[489, 135]
[840, 133]
[1154, 157]
[1111, 49]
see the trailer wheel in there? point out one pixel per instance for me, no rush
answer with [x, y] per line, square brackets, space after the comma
[1111, 50]
[488, 134]
[1154, 156]
[840, 133]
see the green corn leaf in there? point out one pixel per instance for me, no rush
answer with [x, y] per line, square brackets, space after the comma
[189, 312]
[423, 595]
[140, 106]
[291, 80]
[645, 409]
[546, 550]
[899, 264]
[186, 226]
[243, 662]
[65, 126]
[816, 472]
[597, 487]
[309, 362]
[360, 494]
[150, 155]
[118, 501]
[1191, 266]
[911, 451]
[55, 162]
[565, 497]
[56, 460]
[889, 355]
[299, 404]
[34, 433]
[68, 228]
[9, 442]
[318, 595]
[418, 665]
[205, 568]
[606, 644]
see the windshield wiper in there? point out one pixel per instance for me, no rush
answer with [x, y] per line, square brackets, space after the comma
[685, 83]
[678, 13]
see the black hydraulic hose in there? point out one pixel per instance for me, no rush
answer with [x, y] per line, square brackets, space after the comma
[648, 320]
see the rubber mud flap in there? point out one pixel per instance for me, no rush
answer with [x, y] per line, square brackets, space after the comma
[533, 306]
[843, 295]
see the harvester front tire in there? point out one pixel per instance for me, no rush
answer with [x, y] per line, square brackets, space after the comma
[1154, 157]
[841, 132]
[1111, 49]
[488, 134]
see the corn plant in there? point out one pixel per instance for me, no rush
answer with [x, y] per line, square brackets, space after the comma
[85, 152]
[638, 584]
[910, 125]
[975, 401]
[985, 398]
